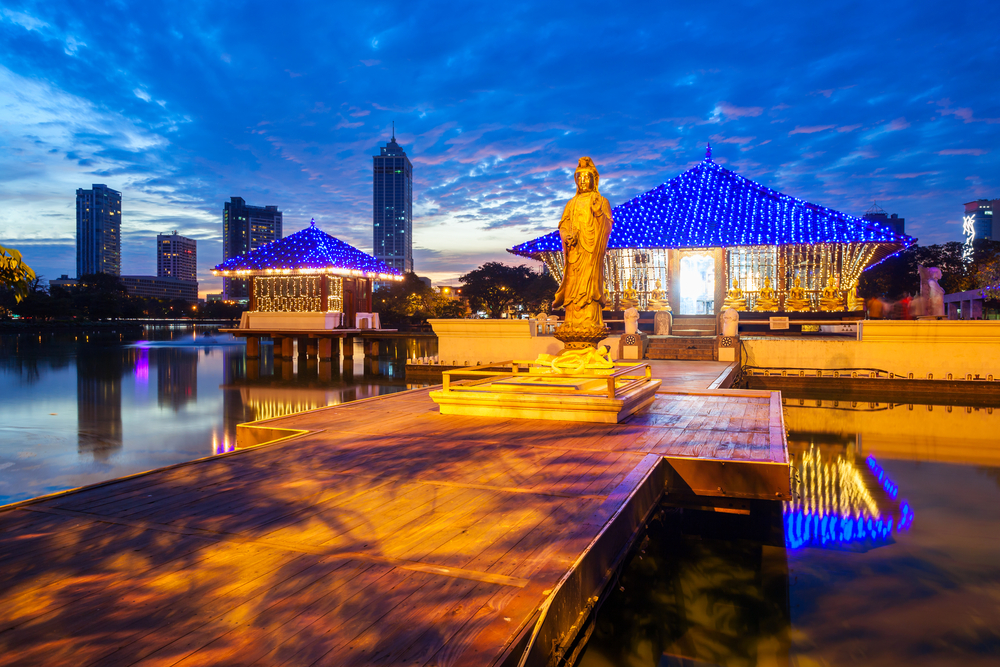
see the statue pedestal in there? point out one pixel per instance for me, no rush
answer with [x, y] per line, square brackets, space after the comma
[530, 390]
[632, 346]
[661, 323]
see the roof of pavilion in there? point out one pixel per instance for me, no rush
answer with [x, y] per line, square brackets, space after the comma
[310, 250]
[711, 206]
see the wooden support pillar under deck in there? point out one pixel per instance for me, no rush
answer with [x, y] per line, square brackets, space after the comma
[286, 347]
[348, 347]
[253, 347]
[310, 347]
[302, 346]
[370, 347]
[325, 348]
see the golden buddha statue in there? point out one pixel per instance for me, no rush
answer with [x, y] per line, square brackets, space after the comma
[831, 299]
[767, 298]
[796, 301]
[854, 302]
[584, 229]
[657, 300]
[630, 298]
[735, 298]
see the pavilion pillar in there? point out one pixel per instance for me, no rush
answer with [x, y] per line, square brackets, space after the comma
[253, 347]
[719, 255]
[348, 347]
[325, 348]
[311, 348]
[286, 347]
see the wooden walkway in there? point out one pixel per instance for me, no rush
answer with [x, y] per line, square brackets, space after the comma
[379, 533]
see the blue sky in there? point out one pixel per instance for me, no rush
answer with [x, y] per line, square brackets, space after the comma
[183, 105]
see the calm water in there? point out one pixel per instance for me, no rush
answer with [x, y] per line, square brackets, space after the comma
[890, 555]
[76, 410]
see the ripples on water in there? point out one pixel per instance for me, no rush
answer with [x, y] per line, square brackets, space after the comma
[82, 408]
[889, 554]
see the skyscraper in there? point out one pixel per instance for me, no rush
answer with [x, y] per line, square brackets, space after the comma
[245, 228]
[176, 257]
[98, 231]
[392, 204]
[979, 219]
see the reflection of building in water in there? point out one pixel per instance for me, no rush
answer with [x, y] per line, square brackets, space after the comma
[176, 377]
[99, 400]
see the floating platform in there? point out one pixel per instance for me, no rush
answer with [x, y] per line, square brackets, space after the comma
[374, 532]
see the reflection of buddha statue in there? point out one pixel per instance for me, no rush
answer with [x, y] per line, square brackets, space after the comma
[796, 300]
[735, 298]
[657, 300]
[630, 299]
[853, 302]
[767, 298]
[831, 299]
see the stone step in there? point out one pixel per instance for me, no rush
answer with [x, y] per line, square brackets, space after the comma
[687, 355]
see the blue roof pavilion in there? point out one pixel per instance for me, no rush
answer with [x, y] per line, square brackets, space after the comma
[756, 233]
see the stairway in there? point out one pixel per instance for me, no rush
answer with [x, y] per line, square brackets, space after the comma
[692, 348]
[693, 325]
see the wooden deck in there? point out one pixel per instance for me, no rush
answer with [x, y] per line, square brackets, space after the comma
[377, 532]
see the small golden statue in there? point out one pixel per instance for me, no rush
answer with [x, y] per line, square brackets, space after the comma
[657, 300]
[735, 298]
[796, 301]
[767, 298]
[831, 299]
[584, 229]
[630, 298]
[854, 302]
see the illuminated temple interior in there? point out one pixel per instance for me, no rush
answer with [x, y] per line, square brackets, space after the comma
[709, 226]
[309, 271]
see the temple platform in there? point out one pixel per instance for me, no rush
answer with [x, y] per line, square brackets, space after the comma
[373, 532]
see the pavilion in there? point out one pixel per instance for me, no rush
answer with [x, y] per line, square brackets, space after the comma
[704, 228]
[309, 272]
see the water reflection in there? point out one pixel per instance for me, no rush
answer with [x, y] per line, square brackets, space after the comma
[890, 552]
[81, 408]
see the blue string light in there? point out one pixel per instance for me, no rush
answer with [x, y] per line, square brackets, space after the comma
[711, 206]
[310, 251]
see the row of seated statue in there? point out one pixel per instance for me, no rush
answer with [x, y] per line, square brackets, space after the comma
[832, 299]
[657, 299]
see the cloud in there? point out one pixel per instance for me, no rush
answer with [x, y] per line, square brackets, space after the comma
[897, 124]
[810, 129]
[732, 112]
[963, 113]
[963, 151]
[848, 128]
[720, 139]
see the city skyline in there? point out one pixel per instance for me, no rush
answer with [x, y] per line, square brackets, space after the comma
[883, 103]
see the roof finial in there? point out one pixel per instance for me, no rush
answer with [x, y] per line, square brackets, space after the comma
[394, 130]
[312, 223]
[708, 151]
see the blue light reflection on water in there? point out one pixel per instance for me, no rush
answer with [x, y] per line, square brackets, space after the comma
[849, 525]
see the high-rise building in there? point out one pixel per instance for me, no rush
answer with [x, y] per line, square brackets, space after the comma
[392, 207]
[978, 221]
[98, 231]
[176, 257]
[893, 222]
[245, 228]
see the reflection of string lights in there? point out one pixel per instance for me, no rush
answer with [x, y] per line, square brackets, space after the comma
[833, 507]
[222, 446]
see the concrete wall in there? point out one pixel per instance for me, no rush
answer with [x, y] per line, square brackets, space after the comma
[921, 347]
[471, 342]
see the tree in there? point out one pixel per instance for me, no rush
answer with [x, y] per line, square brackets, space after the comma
[897, 276]
[15, 274]
[496, 288]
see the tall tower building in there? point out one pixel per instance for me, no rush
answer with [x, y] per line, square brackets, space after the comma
[98, 231]
[245, 228]
[392, 207]
[176, 257]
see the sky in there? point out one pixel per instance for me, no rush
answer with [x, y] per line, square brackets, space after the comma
[182, 105]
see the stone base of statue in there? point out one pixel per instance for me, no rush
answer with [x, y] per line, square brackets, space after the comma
[540, 389]
[580, 339]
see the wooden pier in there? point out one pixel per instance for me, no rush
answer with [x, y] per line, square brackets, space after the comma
[322, 344]
[377, 532]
